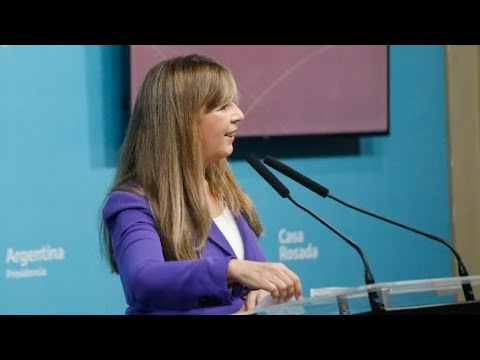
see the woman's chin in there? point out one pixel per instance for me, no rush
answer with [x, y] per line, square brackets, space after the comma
[226, 152]
[221, 155]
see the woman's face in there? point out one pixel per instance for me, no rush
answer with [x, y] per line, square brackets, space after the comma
[217, 131]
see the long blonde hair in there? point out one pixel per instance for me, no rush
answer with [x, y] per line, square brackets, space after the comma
[161, 156]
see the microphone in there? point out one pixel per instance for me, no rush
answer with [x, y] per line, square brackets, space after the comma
[375, 304]
[324, 192]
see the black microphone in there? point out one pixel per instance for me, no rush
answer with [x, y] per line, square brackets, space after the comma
[324, 192]
[375, 304]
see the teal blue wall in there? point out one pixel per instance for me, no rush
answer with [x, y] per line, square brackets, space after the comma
[61, 122]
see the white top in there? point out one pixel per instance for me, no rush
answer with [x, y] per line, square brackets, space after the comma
[228, 226]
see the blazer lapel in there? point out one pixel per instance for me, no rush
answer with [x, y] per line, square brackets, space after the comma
[251, 245]
[245, 234]
[219, 239]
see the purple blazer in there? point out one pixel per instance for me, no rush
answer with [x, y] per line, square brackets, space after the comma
[155, 286]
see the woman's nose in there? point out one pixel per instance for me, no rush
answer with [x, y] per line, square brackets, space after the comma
[237, 114]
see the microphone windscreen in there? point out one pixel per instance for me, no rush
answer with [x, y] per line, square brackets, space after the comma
[267, 175]
[295, 175]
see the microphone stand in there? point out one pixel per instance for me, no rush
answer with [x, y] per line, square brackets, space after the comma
[324, 192]
[375, 303]
[462, 270]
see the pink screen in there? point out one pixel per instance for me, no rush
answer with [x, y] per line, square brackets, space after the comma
[294, 89]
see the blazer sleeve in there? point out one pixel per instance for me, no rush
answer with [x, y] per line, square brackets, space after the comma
[148, 280]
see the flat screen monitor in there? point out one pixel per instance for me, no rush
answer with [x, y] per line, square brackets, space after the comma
[294, 89]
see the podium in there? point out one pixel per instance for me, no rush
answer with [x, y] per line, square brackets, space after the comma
[441, 296]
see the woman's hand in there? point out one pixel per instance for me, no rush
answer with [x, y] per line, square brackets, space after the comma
[254, 298]
[275, 278]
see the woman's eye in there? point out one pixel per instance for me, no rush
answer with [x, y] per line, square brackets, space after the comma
[224, 107]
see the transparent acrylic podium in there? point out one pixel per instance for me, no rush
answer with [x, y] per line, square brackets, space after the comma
[419, 297]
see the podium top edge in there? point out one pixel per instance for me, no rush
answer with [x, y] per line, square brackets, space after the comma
[405, 286]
